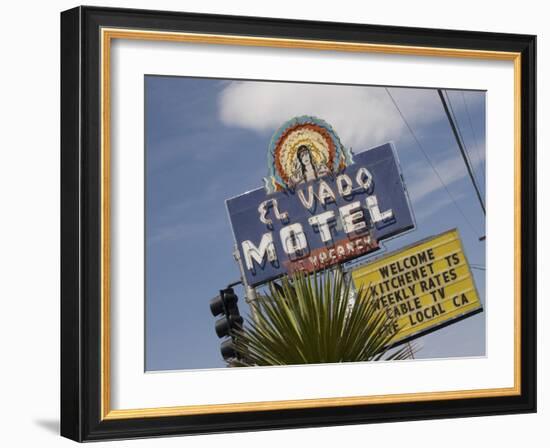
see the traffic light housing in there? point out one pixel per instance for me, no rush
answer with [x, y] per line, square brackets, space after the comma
[230, 320]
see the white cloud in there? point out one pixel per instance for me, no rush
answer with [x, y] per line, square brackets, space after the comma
[424, 182]
[362, 116]
[435, 205]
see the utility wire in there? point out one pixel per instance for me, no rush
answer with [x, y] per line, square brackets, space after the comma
[457, 138]
[429, 161]
[479, 268]
[462, 140]
[478, 148]
[464, 145]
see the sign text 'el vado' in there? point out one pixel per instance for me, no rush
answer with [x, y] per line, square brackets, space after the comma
[319, 207]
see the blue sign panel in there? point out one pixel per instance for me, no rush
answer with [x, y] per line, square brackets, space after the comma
[321, 222]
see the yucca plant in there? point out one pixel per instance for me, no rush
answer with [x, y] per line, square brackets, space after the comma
[311, 319]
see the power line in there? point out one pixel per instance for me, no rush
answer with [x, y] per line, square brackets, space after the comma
[476, 144]
[464, 145]
[429, 161]
[479, 268]
[457, 138]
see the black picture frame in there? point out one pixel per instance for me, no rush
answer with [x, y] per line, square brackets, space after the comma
[81, 224]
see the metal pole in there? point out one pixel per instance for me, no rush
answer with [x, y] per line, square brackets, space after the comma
[462, 152]
[249, 292]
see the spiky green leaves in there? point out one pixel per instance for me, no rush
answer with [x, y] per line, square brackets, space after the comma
[315, 319]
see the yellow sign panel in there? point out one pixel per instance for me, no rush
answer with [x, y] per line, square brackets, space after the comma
[422, 287]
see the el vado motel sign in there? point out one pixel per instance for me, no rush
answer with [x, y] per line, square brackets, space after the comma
[320, 206]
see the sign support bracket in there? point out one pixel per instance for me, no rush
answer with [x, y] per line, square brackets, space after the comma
[249, 292]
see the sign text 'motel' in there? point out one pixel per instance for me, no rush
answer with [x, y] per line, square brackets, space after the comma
[326, 221]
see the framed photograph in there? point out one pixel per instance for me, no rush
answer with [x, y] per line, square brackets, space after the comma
[274, 223]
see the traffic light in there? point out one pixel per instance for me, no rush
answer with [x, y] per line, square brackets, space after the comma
[225, 305]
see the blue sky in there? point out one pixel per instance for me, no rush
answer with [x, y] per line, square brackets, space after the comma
[206, 141]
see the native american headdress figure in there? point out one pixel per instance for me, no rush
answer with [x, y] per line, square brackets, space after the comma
[303, 149]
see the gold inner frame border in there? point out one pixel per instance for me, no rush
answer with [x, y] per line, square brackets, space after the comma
[107, 35]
